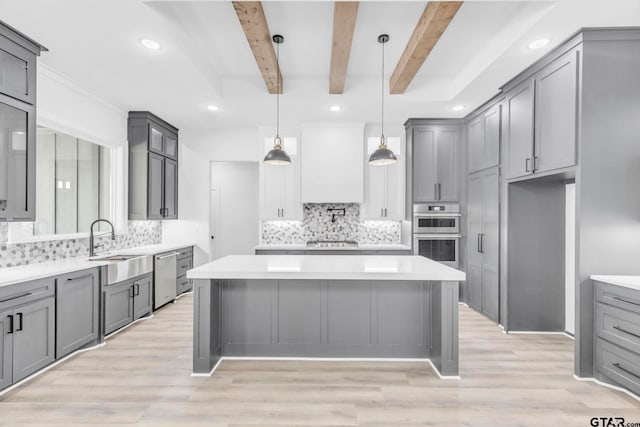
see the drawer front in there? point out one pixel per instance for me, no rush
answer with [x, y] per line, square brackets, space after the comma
[618, 326]
[183, 285]
[621, 366]
[185, 252]
[21, 293]
[618, 296]
[183, 266]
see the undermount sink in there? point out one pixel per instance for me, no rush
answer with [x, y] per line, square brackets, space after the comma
[125, 267]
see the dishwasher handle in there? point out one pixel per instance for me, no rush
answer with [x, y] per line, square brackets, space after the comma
[168, 255]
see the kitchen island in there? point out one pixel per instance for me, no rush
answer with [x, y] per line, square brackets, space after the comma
[326, 306]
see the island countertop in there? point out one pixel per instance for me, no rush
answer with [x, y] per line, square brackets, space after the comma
[326, 267]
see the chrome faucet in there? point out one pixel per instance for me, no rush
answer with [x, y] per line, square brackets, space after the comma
[92, 250]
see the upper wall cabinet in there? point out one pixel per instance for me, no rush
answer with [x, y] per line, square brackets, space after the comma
[332, 169]
[280, 184]
[384, 185]
[542, 118]
[17, 125]
[483, 136]
[153, 167]
[435, 162]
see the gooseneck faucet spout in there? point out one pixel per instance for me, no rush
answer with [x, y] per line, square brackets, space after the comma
[92, 249]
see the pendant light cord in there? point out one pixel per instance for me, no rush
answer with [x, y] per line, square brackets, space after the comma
[382, 96]
[278, 90]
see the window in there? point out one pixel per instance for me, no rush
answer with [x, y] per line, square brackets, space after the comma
[74, 182]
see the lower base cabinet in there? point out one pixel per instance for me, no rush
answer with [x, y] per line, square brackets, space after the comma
[184, 263]
[28, 337]
[126, 301]
[77, 310]
[617, 336]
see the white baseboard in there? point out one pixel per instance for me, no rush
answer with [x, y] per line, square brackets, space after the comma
[611, 386]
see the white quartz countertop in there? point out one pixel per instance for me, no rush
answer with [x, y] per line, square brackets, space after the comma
[24, 273]
[632, 282]
[326, 267]
[304, 247]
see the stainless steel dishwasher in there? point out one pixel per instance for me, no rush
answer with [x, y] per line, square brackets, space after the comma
[164, 275]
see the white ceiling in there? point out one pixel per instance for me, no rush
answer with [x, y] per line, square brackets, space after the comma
[205, 58]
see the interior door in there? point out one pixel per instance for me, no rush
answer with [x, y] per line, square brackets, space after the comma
[234, 211]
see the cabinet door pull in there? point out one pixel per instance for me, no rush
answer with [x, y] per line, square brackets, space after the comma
[10, 331]
[618, 328]
[282, 212]
[626, 300]
[385, 212]
[478, 244]
[26, 75]
[137, 285]
[439, 191]
[534, 164]
[131, 292]
[20, 325]
[623, 369]
[435, 191]
[526, 165]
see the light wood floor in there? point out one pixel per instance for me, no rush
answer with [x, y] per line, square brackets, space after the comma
[142, 377]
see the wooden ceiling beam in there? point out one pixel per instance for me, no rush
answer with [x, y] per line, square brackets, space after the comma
[432, 24]
[344, 23]
[254, 23]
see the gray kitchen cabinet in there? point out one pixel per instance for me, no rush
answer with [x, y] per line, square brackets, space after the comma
[617, 336]
[483, 283]
[118, 306]
[6, 349]
[435, 161]
[142, 297]
[556, 112]
[33, 338]
[520, 130]
[542, 119]
[126, 301]
[184, 263]
[18, 61]
[153, 167]
[27, 329]
[77, 310]
[483, 139]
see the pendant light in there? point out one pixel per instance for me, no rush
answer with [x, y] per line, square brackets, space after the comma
[277, 156]
[382, 156]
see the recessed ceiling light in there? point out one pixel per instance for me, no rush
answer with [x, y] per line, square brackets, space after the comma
[458, 108]
[213, 108]
[150, 44]
[540, 43]
[334, 108]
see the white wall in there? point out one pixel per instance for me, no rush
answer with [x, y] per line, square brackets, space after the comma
[66, 107]
[196, 151]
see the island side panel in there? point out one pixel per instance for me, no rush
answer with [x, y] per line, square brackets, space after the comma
[318, 318]
[206, 325]
[444, 327]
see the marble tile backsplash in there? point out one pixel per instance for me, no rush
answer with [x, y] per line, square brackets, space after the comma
[140, 233]
[316, 224]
